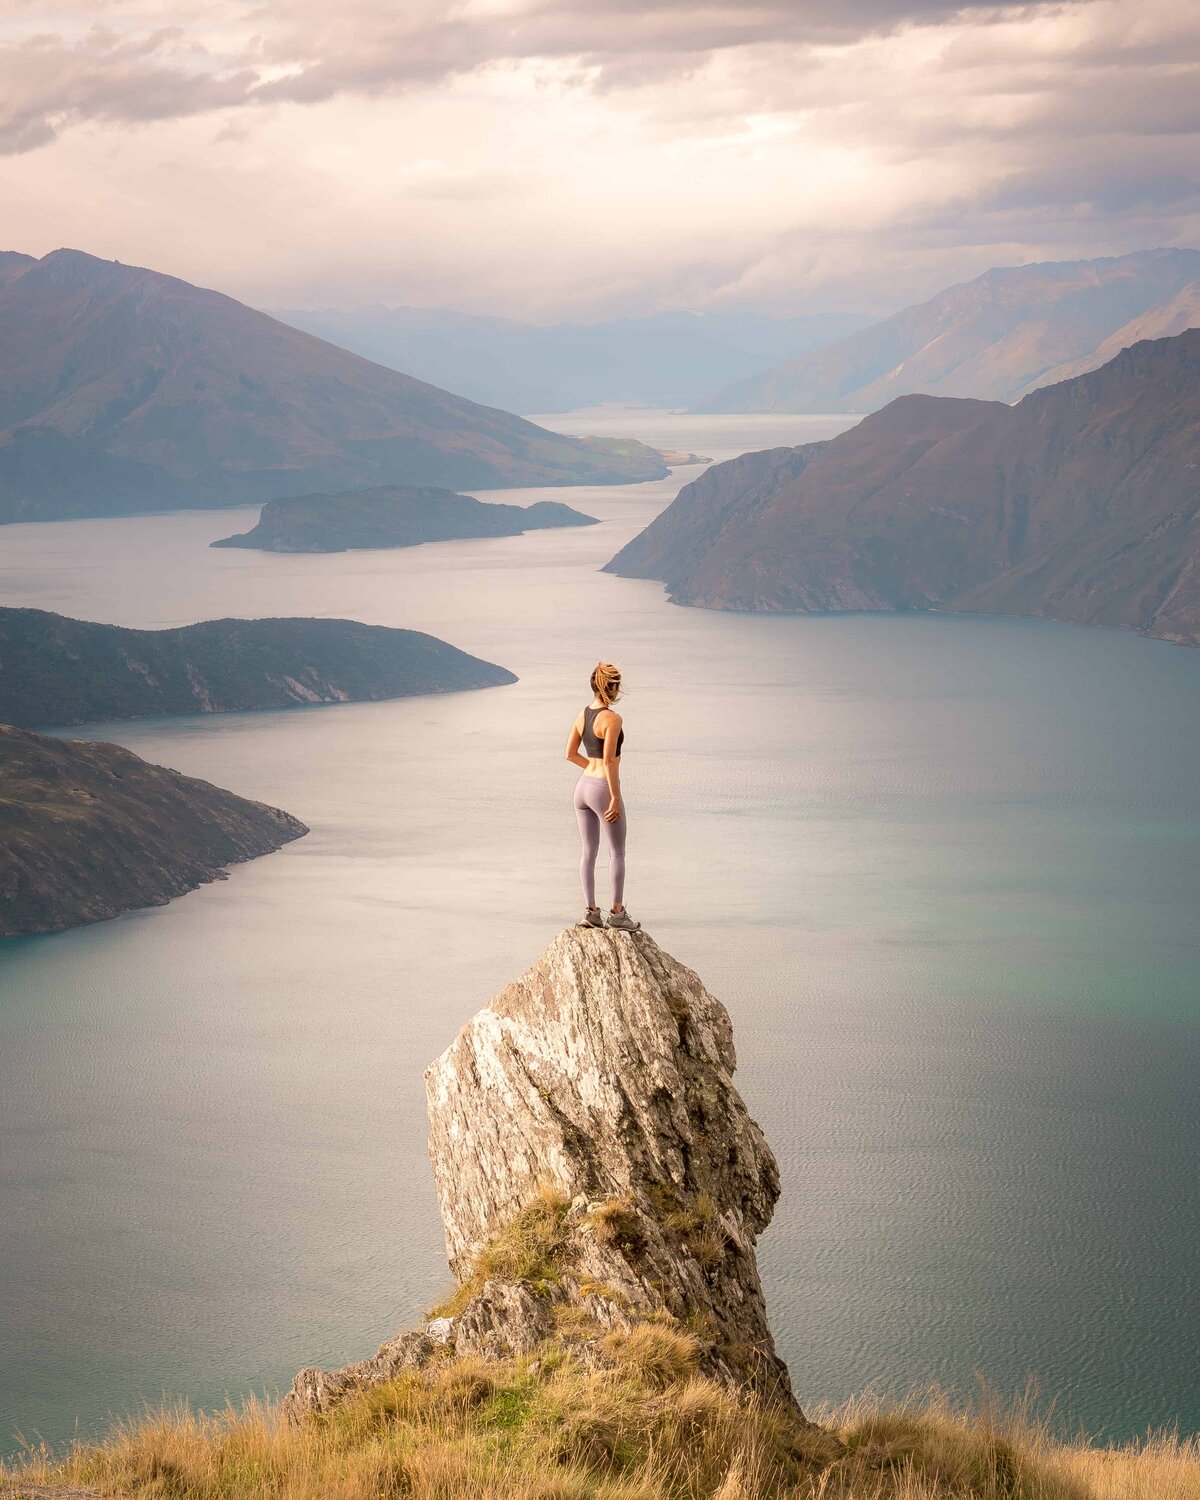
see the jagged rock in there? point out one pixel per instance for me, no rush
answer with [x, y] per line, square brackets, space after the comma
[605, 1073]
[595, 1169]
[322, 1390]
[504, 1320]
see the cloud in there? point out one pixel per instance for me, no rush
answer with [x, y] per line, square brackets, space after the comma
[48, 82]
[560, 159]
[308, 51]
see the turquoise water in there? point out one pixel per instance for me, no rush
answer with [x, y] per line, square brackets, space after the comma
[943, 871]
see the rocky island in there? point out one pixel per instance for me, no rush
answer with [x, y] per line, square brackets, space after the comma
[677, 457]
[393, 516]
[90, 830]
[54, 670]
[1080, 503]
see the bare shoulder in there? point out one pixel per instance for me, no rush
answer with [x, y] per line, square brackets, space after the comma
[609, 718]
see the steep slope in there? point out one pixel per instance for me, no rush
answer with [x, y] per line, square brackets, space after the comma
[597, 1173]
[664, 359]
[181, 396]
[12, 264]
[59, 671]
[1174, 316]
[89, 830]
[1011, 331]
[392, 516]
[1081, 503]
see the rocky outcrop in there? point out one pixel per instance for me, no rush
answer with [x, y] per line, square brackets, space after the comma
[54, 670]
[1080, 503]
[393, 516]
[596, 1169]
[90, 830]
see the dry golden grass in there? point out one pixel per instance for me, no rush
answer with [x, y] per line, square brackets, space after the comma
[641, 1424]
[531, 1249]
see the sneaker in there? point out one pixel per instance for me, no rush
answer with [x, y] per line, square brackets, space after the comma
[622, 921]
[592, 917]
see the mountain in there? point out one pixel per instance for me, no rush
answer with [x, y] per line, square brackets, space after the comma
[123, 390]
[392, 516]
[1081, 503]
[89, 830]
[666, 359]
[59, 671]
[1011, 331]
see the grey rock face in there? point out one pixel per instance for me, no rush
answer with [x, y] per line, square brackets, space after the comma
[605, 1074]
[595, 1168]
[322, 1390]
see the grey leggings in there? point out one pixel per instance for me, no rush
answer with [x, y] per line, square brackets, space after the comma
[591, 799]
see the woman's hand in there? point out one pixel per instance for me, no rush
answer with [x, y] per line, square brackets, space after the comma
[613, 810]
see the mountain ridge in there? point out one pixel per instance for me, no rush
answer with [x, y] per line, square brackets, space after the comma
[58, 671]
[1080, 503]
[1006, 333]
[123, 389]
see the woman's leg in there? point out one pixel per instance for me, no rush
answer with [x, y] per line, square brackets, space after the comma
[616, 856]
[589, 838]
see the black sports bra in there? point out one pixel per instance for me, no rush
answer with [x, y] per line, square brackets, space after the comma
[592, 742]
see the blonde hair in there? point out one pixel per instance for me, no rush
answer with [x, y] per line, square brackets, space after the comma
[606, 681]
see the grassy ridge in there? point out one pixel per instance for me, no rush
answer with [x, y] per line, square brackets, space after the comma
[633, 1422]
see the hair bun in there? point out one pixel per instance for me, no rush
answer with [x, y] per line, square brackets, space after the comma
[606, 681]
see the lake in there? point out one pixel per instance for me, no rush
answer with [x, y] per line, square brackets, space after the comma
[942, 870]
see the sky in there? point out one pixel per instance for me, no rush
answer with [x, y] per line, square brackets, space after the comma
[547, 159]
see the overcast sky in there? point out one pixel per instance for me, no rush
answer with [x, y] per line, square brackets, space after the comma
[581, 158]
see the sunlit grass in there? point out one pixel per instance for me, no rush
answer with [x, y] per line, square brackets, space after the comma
[634, 1420]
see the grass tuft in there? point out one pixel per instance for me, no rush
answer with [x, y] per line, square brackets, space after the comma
[531, 1249]
[653, 1353]
[616, 1222]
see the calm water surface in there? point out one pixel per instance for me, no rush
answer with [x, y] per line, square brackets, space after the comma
[943, 871]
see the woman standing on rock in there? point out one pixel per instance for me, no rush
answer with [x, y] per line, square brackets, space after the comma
[598, 799]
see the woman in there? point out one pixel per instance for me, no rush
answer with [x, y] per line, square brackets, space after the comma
[598, 795]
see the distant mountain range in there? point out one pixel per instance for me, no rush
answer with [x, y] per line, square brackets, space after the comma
[1080, 503]
[89, 830]
[997, 338]
[54, 670]
[123, 390]
[393, 516]
[667, 359]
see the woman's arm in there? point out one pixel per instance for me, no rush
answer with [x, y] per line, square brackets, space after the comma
[573, 742]
[612, 766]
